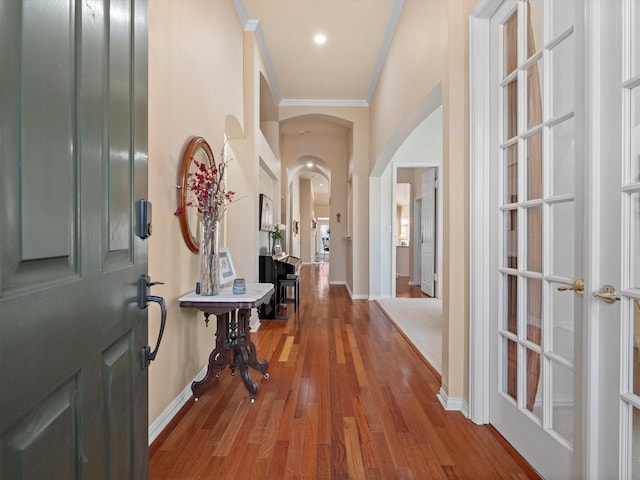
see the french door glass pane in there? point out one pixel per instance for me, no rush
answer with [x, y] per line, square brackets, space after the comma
[634, 225]
[562, 400]
[510, 116]
[635, 444]
[533, 383]
[563, 239]
[635, 133]
[510, 368]
[534, 94]
[635, 368]
[561, 322]
[562, 16]
[534, 310]
[563, 77]
[534, 166]
[563, 157]
[534, 239]
[511, 304]
[635, 41]
[510, 239]
[535, 26]
[511, 174]
[510, 41]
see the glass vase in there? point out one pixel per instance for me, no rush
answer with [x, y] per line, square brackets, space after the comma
[209, 258]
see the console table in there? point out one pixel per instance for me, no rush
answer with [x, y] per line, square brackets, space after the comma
[233, 337]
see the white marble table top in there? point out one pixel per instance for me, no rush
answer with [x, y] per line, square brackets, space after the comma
[255, 291]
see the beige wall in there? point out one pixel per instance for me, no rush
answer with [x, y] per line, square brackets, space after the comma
[305, 220]
[356, 155]
[184, 101]
[427, 60]
[204, 80]
[455, 287]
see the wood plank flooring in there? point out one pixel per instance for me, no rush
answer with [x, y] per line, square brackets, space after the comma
[347, 398]
[404, 290]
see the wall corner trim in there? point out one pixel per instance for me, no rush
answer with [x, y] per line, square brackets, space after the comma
[458, 404]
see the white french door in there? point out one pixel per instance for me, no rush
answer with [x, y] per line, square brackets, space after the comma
[616, 309]
[536, 212]
[564, 236]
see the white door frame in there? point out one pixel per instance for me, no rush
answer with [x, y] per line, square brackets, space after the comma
[480, 209]
[586, 451]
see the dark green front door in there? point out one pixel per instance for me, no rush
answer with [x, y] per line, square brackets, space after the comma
[73, 162]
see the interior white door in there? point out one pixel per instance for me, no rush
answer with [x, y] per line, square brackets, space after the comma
[536, 253]
[416, 243]
[428, 244]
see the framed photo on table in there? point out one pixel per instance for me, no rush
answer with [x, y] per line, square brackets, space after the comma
[226, 272]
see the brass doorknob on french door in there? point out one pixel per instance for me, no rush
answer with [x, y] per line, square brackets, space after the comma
[578, 287]
[607, 293]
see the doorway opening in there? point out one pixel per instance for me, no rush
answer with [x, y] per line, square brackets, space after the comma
[416, 233]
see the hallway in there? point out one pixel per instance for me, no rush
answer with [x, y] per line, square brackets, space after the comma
[347, 397]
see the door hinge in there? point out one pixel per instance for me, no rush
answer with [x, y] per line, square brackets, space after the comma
[435, 277]
[435, 184]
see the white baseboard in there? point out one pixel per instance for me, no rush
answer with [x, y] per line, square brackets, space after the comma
[254, 324]
[457, 404]
[338, 282]
[172, 410]
[353, 297]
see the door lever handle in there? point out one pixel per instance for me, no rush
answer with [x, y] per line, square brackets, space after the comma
[578, 287]
[144, 297]
[607, 293]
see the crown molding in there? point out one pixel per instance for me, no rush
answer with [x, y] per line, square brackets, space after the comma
[241, 11]
[310, 102]
[253, 25]
[384, 48]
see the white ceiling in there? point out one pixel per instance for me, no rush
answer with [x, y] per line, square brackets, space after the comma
[345, 69]
[342, 72]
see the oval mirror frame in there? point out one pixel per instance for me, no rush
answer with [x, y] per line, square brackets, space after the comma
[199, 149]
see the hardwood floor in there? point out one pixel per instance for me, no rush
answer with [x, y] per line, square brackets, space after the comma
[347, 398]
[404, 290]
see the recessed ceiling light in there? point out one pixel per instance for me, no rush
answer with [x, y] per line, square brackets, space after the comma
[322, 184]
[320, 39]
[309, 164]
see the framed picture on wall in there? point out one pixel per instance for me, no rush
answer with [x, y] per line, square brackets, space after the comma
[265, 214]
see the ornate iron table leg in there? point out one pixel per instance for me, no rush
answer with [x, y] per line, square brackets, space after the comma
[217, 360]
[253, 359]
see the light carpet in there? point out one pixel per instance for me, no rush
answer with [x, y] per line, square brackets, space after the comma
[420, 319]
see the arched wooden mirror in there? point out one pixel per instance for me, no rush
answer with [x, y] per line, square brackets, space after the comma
[198, 149]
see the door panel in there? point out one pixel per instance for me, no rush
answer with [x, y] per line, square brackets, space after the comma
[622, 110]
[536, 212]
[73, 159]
[45, 443]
